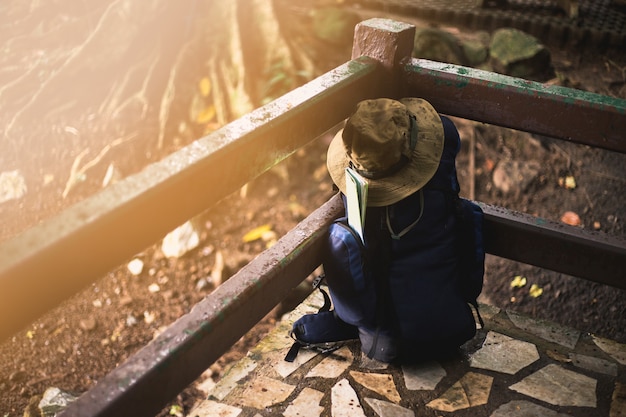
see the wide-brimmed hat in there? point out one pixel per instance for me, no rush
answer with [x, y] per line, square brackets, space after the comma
[395, 145]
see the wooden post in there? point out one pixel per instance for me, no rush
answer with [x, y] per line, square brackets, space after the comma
[388, 42]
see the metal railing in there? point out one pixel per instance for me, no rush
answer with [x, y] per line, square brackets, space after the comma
[381, 65]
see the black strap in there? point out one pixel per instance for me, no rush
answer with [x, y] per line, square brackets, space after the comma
[480, 319]
[385, 315]
[293, 351]
[317, 284]
[297, 345]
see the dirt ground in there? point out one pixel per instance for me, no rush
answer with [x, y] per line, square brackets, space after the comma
[75, 345]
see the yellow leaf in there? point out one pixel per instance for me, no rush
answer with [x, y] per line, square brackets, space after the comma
[535, 291]
[206, 115]
[205, 86]
[256, 233]
[176, 410]
[30, 334]
[518, 282]
[570, 182]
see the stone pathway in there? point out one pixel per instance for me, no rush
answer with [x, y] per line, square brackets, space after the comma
[515, 366]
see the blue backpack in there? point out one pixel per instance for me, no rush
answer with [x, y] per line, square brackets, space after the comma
[409, 288]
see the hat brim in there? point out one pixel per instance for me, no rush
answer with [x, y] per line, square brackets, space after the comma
[421, 168]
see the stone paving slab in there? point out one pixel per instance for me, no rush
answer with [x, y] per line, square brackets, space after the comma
[515, 366]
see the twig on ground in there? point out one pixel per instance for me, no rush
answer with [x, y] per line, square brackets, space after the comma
[76, 172]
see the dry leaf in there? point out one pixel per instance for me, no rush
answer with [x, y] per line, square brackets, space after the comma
[257, 233]
[206, 115]
[518, 282]
[218, 269]
[205, 86]
[558, 356]
[571, 218]
[568, 182]
[535, 291]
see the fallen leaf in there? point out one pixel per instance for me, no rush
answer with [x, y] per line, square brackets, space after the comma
[206, 115]
[256, 233]
[269, 238]
[205, 86]
[558, 356]
[176, 410]
[571, 218]
[148, 317]
[218, 269]
[535, 291]
[568, 182]
[518, 282]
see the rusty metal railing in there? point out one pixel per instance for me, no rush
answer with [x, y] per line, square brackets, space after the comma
[40, 268]
[380, 66]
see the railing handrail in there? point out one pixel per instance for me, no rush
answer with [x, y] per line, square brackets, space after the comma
[178, 186]
[583, 117]
[56, 259]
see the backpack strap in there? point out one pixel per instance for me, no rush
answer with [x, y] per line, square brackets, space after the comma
[324, 314]
[465, 227]
[407, 229]
[317, 284]
[464, 224]
[382, 263]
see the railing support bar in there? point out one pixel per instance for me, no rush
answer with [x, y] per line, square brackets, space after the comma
[150, 378]
[571, 250]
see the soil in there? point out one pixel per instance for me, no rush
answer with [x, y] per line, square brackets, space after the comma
[79, 342]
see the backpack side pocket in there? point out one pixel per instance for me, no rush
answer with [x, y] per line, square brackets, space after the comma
[347, 274]
[346, 255]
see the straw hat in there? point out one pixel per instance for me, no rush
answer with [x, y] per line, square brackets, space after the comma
[395, 145]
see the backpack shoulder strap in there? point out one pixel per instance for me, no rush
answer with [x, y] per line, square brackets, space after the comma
[469, 230]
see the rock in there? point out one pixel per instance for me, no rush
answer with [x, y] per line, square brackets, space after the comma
[516, 53]
[476, 50]
[514, 176]
[88, 324]
[180, 241]
[135, 266]
[54, 401]
[438, 45]
[12, 186]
